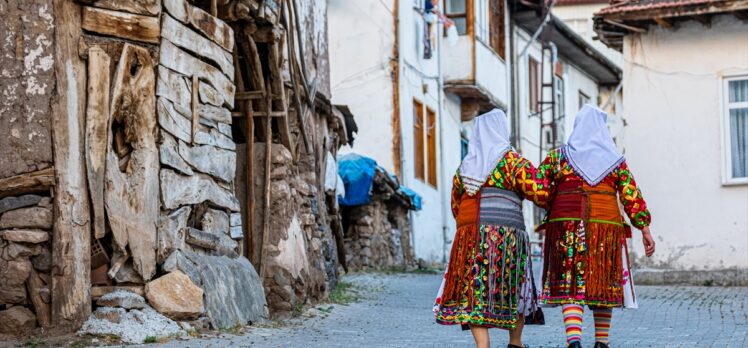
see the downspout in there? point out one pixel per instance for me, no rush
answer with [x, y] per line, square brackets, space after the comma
[440, 120]
[514, 98]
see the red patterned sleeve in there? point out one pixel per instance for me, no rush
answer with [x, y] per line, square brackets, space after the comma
[631, 198]
[457, 191]
[533, 183]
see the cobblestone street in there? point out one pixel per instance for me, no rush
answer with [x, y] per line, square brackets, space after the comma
[396, 312]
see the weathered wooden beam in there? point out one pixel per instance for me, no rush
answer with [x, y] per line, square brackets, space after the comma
[182, 62]
[71, 281]
[213, 28]
[249, 95]
[38, 181]
[131, 195]
[278, 88]
[184, 37]
[626, 26]
[239, 114]
[121, 24]
[266, 207]
[97, 132]
[144, 7]
[195, 113]
[664, 22]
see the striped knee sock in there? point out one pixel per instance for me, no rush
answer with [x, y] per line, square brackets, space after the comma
[573, 322]
[602, 324]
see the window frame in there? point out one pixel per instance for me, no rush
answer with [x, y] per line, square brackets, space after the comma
[533, 84]
[432, 171]
[453, 15]
[419, 152]
[725, 106]
[497, 36]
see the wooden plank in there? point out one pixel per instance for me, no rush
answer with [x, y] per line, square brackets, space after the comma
[131, 195]
[97, 133]
[249, 95]
[278, 88]
[182, 36]
[195, 113]
[144, 7]
[182, 62]
[215, 29]
[121, 24]
[71, 280]
[38, 181]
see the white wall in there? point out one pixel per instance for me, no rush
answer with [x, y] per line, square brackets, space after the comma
[579, 18]
[415, 73]
[672, 80]
[361, 74]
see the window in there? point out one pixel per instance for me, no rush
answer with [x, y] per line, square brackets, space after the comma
[431, 145]
[424, 143]
[420, 172]
[456, 10]
[735, 125]
[583, 99]
[533, 75]
[497, 29]
[463, 147]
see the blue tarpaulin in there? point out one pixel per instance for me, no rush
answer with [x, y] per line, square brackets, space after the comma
[357, 173]
[414, 197]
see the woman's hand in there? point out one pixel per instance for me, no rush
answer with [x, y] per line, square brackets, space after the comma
[649, 243]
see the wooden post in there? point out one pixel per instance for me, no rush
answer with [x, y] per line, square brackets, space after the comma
[195, 107]
[268, 154]
[97, 124]
[71, 284]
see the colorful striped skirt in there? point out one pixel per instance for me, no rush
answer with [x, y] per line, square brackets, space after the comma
[585, 248]
[487, 282]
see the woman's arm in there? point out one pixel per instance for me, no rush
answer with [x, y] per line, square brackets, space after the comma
[456, 193]
[631, 198]
[535, 184]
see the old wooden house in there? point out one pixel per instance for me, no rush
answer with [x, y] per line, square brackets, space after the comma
[173, 149]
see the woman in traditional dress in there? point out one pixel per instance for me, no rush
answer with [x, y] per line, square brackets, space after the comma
[586, 258]
[488, 279]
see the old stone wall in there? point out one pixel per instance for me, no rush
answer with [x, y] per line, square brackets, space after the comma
[27, 85]
[378, 236]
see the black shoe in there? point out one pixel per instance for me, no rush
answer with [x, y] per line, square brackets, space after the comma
[575, 344]
[601, 345]
[513, 346]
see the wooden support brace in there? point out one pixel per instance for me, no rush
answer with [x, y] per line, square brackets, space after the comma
[38, 181]
[195, 107]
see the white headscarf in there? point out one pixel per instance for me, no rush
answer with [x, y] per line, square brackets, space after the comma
[590, 149]
[488, 144]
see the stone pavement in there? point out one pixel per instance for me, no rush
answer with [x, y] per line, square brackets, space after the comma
[397, 313]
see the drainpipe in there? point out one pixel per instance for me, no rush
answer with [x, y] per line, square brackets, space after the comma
[440, 100]
[514, 96]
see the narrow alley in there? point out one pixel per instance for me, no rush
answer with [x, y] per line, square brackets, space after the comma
[395, 311]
